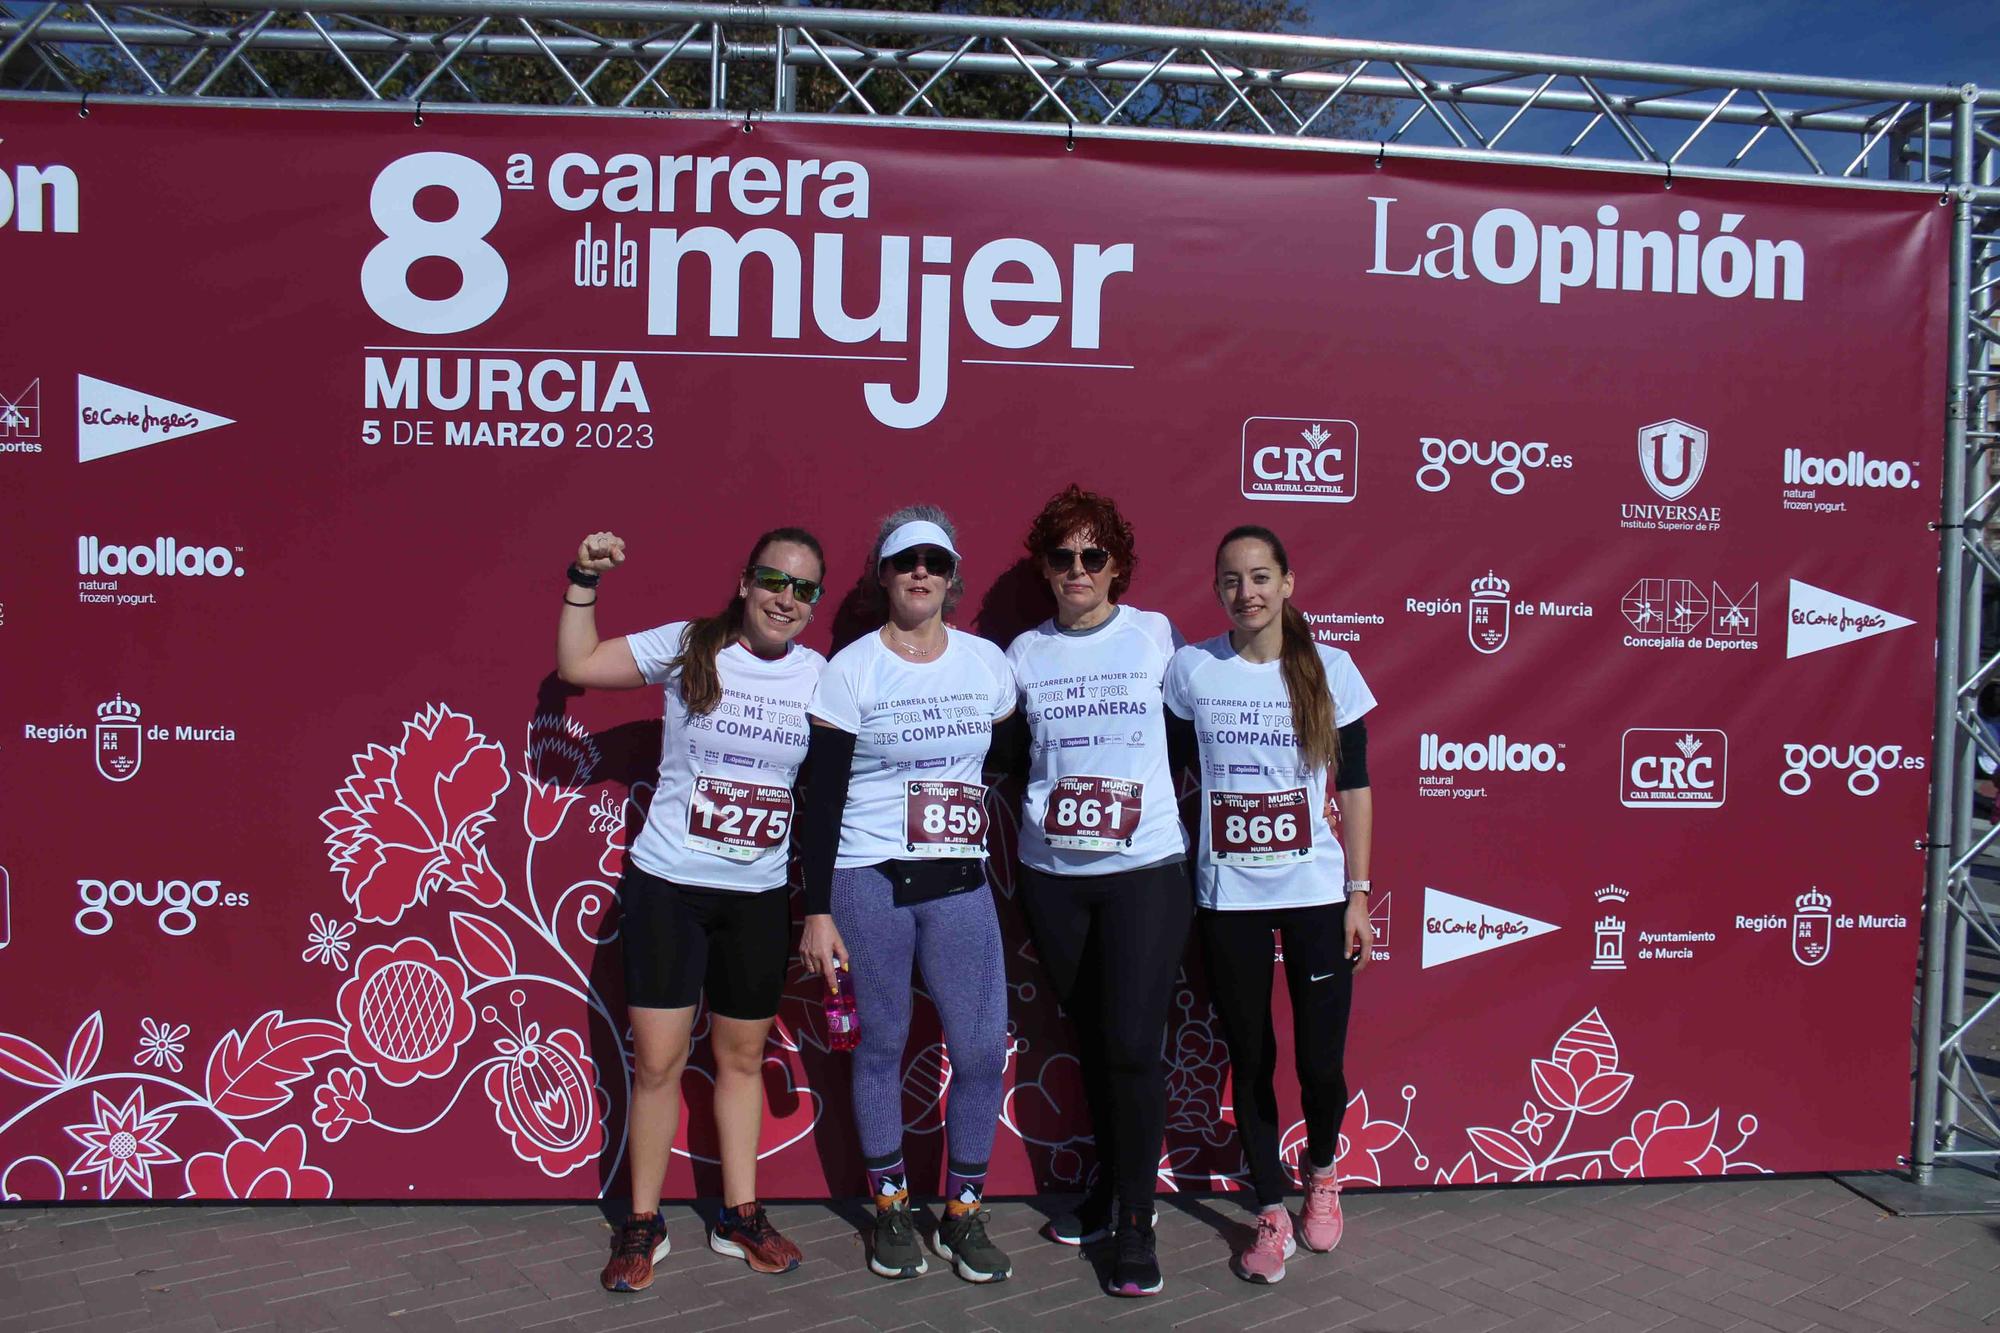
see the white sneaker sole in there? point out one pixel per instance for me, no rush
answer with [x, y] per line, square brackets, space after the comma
[880, 1269]
[1291, 1249]
[964, 1270]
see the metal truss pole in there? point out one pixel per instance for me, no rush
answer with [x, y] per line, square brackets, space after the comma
[1947, 831]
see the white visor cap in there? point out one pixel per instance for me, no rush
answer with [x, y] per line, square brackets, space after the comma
[918, 532]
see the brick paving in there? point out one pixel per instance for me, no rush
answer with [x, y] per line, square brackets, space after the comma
[1789, 1255]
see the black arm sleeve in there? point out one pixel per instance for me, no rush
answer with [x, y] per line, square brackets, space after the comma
[1353, 756]
[829, 764]
[1007, 756]
[1183, 748]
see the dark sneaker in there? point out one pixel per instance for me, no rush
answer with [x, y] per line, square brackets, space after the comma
[640, 1243]
[1135, 1266]
[961, 1241]
[743, 1232]
[896, 1252]
[1089, 1222]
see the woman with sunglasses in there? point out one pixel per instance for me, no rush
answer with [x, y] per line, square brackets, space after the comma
[894, 842]
[1278, 719]
[1104, 877]
[703, 902]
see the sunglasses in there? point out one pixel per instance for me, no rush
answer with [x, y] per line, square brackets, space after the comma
[777, 580]
[1060, 558]
[940, 563]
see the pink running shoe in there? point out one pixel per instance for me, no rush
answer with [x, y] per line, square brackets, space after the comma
[1320, 1224]
[1264, 1261]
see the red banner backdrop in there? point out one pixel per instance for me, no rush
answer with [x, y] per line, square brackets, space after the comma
[1617, 495]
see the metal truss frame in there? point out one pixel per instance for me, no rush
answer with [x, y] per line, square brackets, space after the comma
[1080, 80]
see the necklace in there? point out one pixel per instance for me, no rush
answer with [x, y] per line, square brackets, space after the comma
[911, 649]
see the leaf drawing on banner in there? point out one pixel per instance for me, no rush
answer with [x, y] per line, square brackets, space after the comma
[1602, 1093]
[1555, 1085]
[485, 947]
[1502, 1147]
[84, 1048]
[251, 1073]
[25, 1062]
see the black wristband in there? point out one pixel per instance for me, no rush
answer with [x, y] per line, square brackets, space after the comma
[579, 605]
[580, 578]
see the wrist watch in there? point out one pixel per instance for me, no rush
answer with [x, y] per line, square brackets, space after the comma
[1357, 886]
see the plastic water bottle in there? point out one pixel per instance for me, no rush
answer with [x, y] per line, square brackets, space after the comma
[843, 1020]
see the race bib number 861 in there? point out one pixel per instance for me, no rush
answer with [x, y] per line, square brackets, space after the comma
[1092, 814]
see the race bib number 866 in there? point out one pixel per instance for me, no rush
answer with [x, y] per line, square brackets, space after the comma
[1260, 828]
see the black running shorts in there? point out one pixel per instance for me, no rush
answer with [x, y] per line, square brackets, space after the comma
[681, 941]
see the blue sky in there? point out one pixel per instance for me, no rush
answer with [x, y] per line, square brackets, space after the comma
[1943, 41]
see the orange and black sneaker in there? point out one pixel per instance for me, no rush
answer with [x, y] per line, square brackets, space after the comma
[640, 1243]
[743, 1232]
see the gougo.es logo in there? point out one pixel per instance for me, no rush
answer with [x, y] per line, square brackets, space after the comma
[176, 901]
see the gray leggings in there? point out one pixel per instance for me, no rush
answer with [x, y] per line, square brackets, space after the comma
[957, 942]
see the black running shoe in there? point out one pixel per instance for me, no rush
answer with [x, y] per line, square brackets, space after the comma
[961, 1241]
[896, 1252]
[1135, 1267]
[1089, 1222]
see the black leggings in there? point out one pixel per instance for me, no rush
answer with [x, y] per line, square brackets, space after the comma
[1320, 977]
[1112, 945]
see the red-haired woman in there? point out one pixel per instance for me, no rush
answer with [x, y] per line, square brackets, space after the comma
[703, 902]
[1104, 877]
[1278, 719]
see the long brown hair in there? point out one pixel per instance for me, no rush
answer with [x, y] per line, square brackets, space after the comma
[1298, 659]
[701, 686]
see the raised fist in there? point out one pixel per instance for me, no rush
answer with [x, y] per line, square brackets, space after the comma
[600, 551]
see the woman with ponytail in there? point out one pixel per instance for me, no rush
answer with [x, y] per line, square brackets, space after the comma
[703, 903]
[1278, 719]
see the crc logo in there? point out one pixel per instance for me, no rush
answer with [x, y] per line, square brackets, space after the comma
[176, 899]
[1300, 458]
[1506, 461]
[1671, 456]
[1677, 767]
[1863, 764]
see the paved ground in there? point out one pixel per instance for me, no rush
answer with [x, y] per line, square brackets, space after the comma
[1788, 1255]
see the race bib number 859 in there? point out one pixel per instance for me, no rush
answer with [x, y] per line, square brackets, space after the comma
[739, 821]
[1260, 828]
[944, 818]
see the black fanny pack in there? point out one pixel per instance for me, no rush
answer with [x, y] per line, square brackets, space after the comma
[916, 882]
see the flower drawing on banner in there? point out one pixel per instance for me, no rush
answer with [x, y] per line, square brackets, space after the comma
[1363, 1140]
[160, 1045]
[247, 1169]
[1048, 1111]
[122, 1144]
[619, 822]
[340, 1102]
[1532, 1122]
[405, 1011]
[409, 817]
[1669, 1141]
[327, 942]
[545, 1094]
[560, 759]
[1196, 1074]
[1580, 1082]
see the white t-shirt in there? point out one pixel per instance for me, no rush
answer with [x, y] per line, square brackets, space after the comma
[1100, 798]
[722, 814]
[922, 730]
[1265, 840]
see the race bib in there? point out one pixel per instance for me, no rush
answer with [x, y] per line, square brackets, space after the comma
[1091, 814]
[944, 818]
[1260, 828]
[738, 821]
